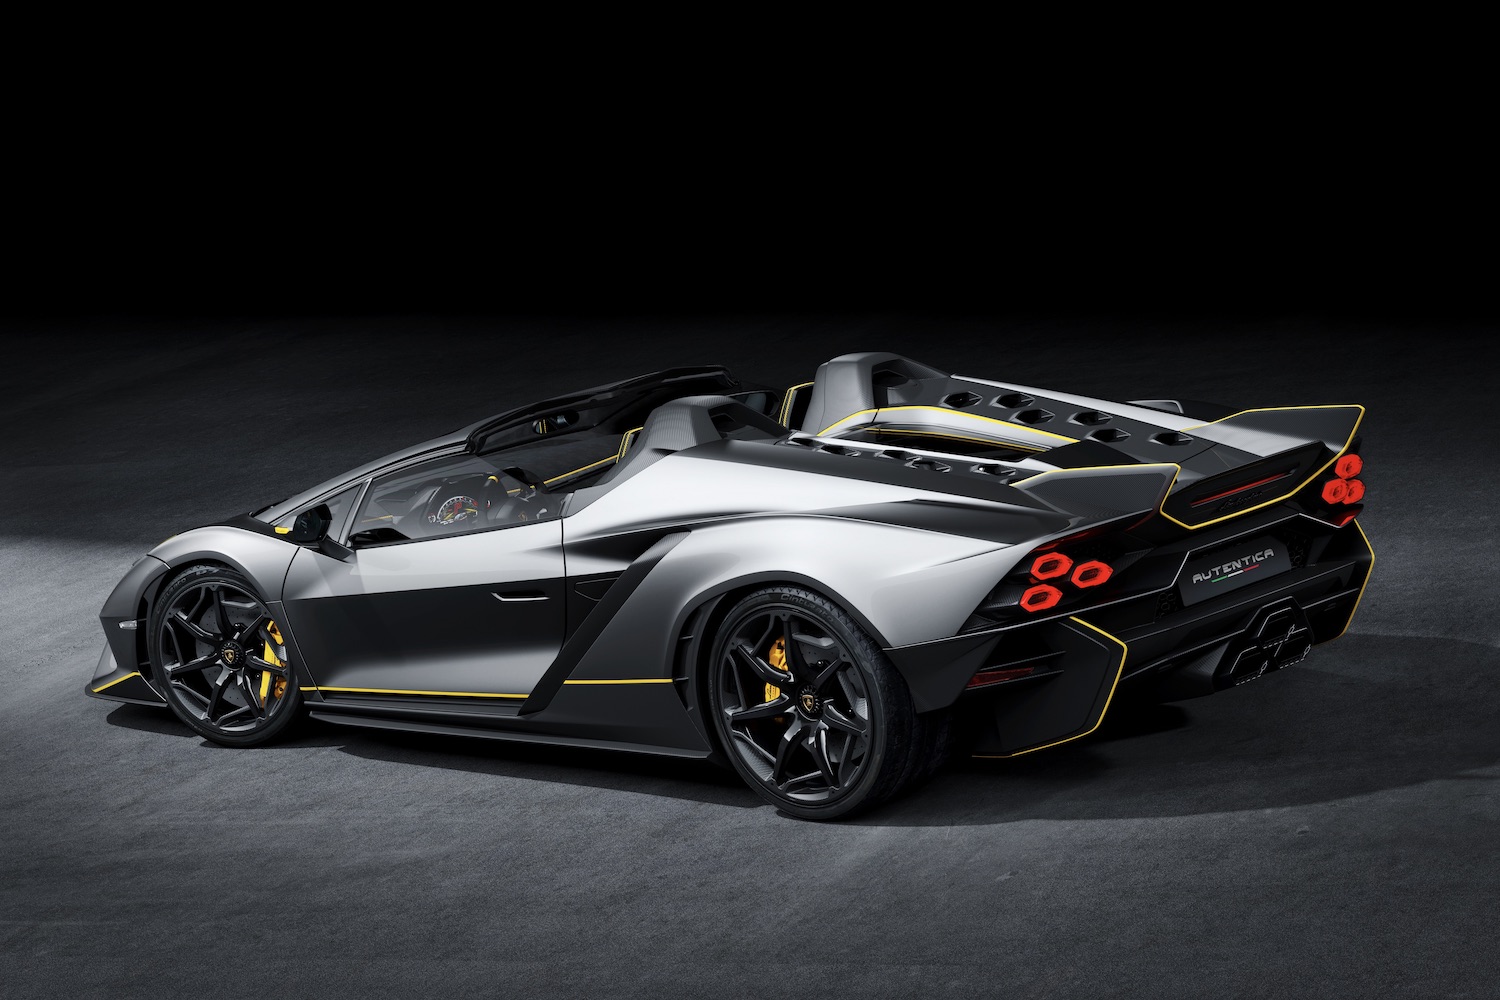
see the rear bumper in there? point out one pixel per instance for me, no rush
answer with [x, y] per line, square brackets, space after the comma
[1215, 645]
[1184, 652]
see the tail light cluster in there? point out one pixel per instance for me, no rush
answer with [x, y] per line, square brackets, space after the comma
[1089, 566]
[1063, 572]
[1345, 490]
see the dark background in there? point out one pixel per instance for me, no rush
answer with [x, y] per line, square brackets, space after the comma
[197, 325]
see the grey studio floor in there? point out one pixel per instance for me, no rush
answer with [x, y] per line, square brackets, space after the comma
[1329, 831]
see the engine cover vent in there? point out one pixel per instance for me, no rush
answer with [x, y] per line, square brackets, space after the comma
[1037, 416]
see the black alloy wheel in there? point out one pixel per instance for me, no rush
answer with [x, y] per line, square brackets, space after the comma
[219, 658]
[808, 708]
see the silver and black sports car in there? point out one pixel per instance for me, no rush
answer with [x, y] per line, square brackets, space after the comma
[826, 587]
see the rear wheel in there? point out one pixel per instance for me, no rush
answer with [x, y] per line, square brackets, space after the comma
[809, 709]
[220, 660]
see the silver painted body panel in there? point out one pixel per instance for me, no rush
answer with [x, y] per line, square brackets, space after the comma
[262, 558]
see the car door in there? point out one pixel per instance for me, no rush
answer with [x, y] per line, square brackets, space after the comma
[430, 605]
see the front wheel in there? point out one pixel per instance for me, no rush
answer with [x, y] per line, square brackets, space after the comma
[809, 710]
[219, 658]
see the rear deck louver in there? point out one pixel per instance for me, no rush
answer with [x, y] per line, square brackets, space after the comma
[1014, 400]
[959, 400]
[1109, 435]
[1090, 418]
[1171, 438]
[1037, 416]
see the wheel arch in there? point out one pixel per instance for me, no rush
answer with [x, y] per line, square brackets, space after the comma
[701, 619]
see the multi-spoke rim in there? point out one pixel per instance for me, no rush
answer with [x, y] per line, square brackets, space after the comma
[223, 656]
[795, 705]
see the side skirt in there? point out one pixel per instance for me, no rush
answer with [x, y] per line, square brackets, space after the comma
[450, 729]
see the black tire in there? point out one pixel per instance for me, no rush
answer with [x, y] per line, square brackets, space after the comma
[828, 732]
[209, 632]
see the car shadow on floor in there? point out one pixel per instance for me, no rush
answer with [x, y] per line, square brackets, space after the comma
[1364, 715]
[670, 777]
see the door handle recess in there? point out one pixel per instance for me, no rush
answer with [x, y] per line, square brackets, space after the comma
[520, 595]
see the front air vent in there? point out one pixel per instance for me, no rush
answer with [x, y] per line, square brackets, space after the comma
[1171, 438]
[1109, 435]
[1014, 400]
[959, 400]
[1090, 418]
[1037, 416]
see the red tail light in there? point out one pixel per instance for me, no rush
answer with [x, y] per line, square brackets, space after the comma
[1091, 574]
[1336, 491]
[1050, 566]
[1348, 466]
[1355, 492]
[1041, 597]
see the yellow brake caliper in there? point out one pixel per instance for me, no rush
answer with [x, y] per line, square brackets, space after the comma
[777, 659]
[270, 657]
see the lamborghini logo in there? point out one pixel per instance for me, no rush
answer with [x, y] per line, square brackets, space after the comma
[809, 702]
[230, 656]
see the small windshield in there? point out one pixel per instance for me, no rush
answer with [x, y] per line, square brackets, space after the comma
[457, 494]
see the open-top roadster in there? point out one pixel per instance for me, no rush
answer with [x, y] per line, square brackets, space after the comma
[825, 586]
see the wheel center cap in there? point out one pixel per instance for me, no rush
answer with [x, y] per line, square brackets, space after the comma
[232, 653]
[808, 702]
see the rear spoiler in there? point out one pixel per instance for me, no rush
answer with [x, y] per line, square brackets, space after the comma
[1253, 459]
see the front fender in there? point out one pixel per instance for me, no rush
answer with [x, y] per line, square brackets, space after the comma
[262, 559]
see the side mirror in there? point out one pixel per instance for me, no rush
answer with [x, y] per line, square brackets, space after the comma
[311, 525]
[375, 536]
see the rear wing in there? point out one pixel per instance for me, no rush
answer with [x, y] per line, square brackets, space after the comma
[1237, 464]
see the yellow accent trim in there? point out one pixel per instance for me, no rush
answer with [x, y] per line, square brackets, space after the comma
[947, 413]
[629, 680]
[431, 694]
[786, 403]
[279, 530]
[265, 685]
[1119, 671]
[117, 680]
[591, 465]
[1368, 573]
[625, 440]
